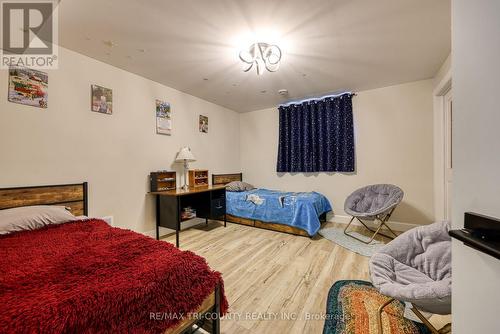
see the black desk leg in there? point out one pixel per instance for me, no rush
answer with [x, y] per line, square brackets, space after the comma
[225, 220]
[177, 231]
[157, 217]
[206, 221]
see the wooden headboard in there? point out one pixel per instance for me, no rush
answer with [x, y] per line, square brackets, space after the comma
[219, 179]
[73, 196]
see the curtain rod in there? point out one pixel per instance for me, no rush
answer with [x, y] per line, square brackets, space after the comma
[286, 104]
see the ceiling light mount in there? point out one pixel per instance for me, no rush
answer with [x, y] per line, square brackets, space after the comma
[283, 92]
[263, 56]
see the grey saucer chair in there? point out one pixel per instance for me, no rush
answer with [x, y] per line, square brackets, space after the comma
[376, 203]
[416, 268]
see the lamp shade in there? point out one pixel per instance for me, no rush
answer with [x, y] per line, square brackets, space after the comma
[185, 154]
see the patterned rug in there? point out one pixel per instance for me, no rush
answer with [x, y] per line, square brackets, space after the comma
[337, 236]
[352, 308]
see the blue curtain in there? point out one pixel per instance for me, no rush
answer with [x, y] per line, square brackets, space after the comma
[317, 136]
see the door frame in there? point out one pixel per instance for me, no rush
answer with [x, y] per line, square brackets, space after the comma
[440, 150]
[448, 152]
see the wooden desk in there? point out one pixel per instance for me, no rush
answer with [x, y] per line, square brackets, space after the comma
[209, 203]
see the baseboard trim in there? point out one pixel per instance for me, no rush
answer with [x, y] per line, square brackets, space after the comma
[166, 231]
[397, 226]
[340, 219]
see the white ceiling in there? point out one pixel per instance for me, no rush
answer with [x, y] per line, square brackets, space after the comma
[328, 45]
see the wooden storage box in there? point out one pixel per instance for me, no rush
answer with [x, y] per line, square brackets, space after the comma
[198, 178]
[163, 180]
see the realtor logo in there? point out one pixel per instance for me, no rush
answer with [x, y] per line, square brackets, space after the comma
[29, 34]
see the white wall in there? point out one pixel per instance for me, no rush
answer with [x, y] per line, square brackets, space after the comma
[68, 143]
[476, 136]
[394, 144]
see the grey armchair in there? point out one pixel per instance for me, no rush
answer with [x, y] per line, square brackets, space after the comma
[416, 268]
[375, 202]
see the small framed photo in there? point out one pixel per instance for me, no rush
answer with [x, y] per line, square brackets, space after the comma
[203, 124]
[163, 118]
[102, 100]
[29, 87]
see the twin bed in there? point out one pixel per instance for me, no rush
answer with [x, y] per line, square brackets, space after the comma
[299, 213]
[84, 276]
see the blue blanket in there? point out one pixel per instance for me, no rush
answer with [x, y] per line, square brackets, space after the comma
[301, 210]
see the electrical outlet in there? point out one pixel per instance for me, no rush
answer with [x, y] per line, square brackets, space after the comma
[108, 219]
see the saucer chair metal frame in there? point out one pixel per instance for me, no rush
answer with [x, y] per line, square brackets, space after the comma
[444, 330]
[380, 216]
[382, 219]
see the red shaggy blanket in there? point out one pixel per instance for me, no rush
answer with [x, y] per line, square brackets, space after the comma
[87, 277]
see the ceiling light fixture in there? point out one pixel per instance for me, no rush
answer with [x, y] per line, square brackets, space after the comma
[263, 56]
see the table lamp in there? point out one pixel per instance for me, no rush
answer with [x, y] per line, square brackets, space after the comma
[185, 155]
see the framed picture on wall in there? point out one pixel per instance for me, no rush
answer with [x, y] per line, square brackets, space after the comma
[101, 100]
[28, 87]
[163, 118]
[203, 124]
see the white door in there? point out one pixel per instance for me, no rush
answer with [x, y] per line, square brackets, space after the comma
[448, 151]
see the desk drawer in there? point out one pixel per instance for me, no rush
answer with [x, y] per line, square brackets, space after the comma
[218, 207]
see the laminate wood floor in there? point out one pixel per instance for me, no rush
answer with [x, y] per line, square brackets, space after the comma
[274, 282]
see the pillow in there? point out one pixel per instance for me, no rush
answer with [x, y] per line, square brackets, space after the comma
[32, 217]
[239, 186]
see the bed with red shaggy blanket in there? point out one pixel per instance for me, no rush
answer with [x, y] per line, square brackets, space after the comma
[87, 277]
